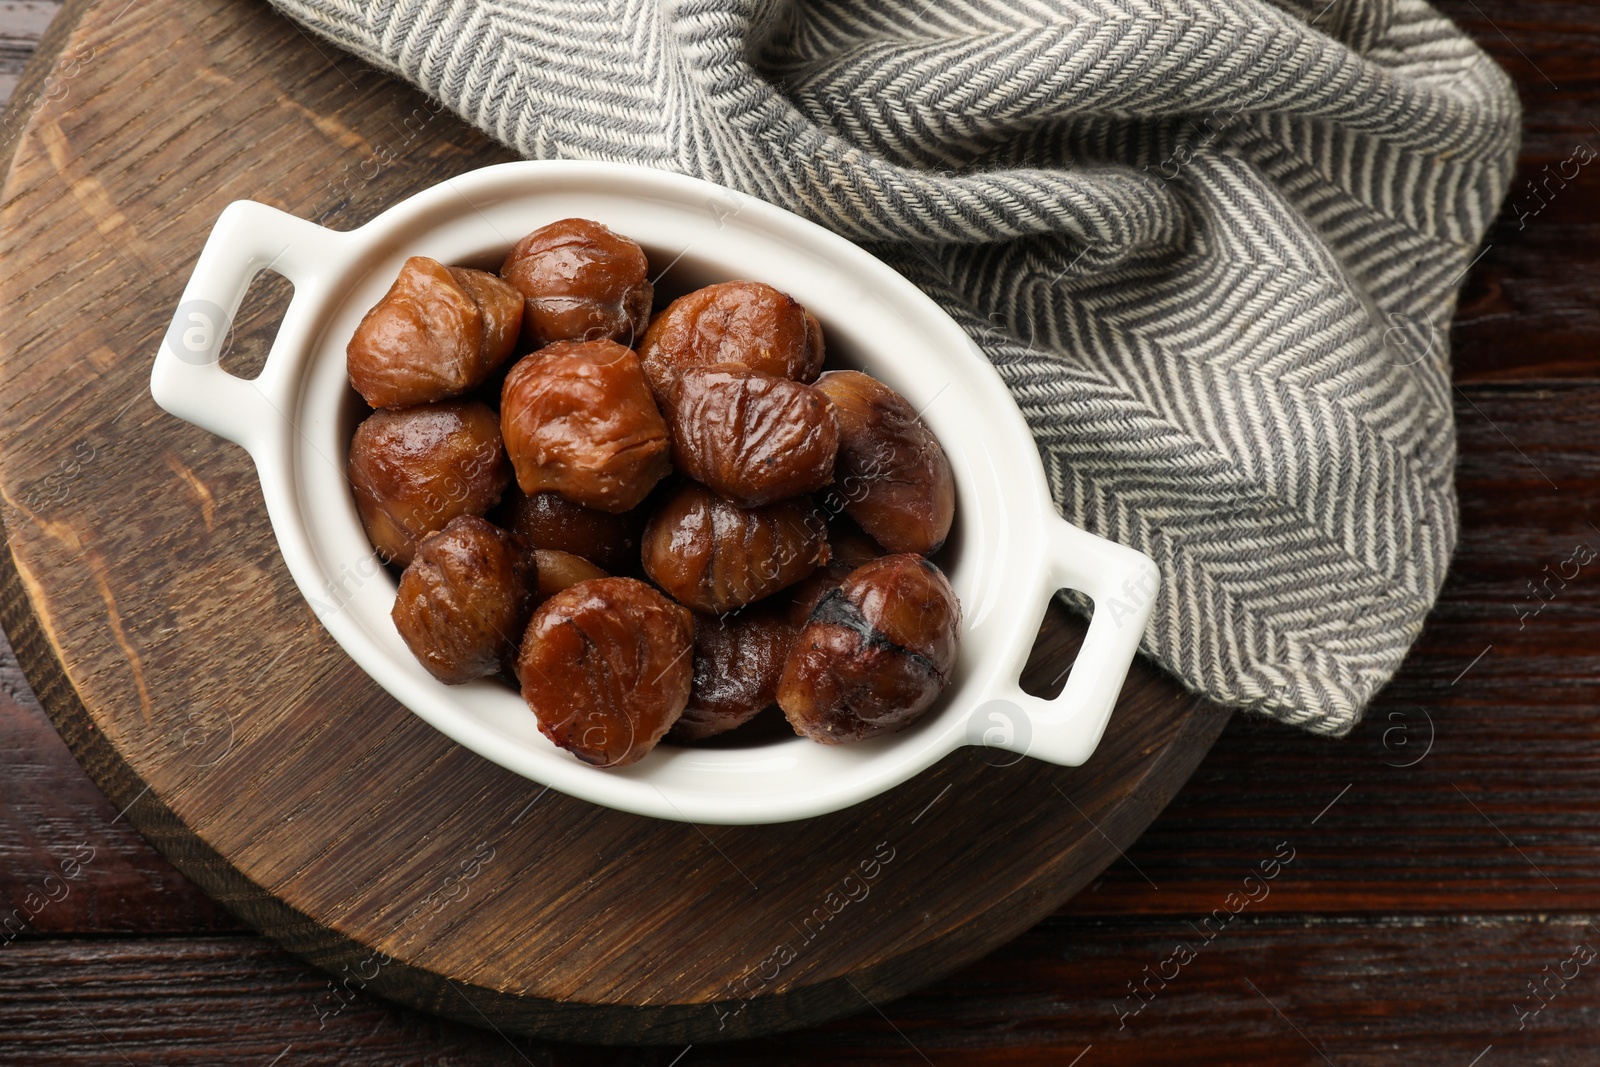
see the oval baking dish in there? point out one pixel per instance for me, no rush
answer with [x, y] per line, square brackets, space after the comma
[1010, 551]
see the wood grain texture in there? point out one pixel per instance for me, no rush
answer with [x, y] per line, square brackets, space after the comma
[1512, 732]
[1421, 982]
[1272, 991]
[1525, 313]
[54, 823]
[177, 659]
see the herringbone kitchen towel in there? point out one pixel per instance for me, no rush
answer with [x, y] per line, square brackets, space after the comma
[1212, 246]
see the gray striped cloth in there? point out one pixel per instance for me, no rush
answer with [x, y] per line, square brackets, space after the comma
[1213, 247]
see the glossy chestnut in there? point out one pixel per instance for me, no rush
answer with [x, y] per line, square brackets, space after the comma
[438, 332]
[580, 282]
[752, 437]
[714, 556]
[415, 469]
[606, 666]
[464, 599]
[579, 420]
[550, 521]
[892, 476]
[733, 322]
[561, 570]
[875, 653]
[738, 659]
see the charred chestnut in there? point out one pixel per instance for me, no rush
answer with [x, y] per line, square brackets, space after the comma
[606, 667]
[738, 660]
[415, 469]
[893, 477]
[438, 332]
[752, 437]
[579, 420]
[464, 599]
[550, 520]
[733, 322]
[875, 654]
[711, 554]
[580, 282]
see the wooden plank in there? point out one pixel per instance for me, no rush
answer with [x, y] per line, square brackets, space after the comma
[1528, 309]
[1349, 992]
[69, 863]
[1506, 686]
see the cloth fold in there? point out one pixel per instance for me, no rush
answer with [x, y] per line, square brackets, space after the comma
[1212, 246]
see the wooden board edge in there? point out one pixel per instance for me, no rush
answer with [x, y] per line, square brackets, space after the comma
[14, 119]
[253, 905]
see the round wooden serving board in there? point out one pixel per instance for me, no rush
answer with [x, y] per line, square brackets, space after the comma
[145, 597]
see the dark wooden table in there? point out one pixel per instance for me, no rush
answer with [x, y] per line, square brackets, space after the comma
[1437, 866]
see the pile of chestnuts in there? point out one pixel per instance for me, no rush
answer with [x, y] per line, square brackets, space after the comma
[658, 528]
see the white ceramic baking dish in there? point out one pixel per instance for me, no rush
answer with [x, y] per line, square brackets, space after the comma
[1011, 550]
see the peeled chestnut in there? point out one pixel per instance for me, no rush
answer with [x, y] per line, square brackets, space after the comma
[415, 469]
[464, 599]
[550, 520]
[438, 332]
[606, 667]
[752, 437]
[579, 420]
[711, 554]
[893, 477]
[562, 570]
[733, 322]
[738, 660]
[580, 282]
[875, 654]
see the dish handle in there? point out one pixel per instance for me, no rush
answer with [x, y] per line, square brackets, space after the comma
[188, 380]
[1065, 729]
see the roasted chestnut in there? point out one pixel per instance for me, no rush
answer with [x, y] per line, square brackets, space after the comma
[580, 282]
[733, 322]
[550, 520]
[738, 659]
[892, 476]
[711, 554]
[793, 544]
[415, 469]
[438, 332]
[752, 437]
[464, 599]
[579, 419]
[606, 667]
[562, 570]
[875, 654]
